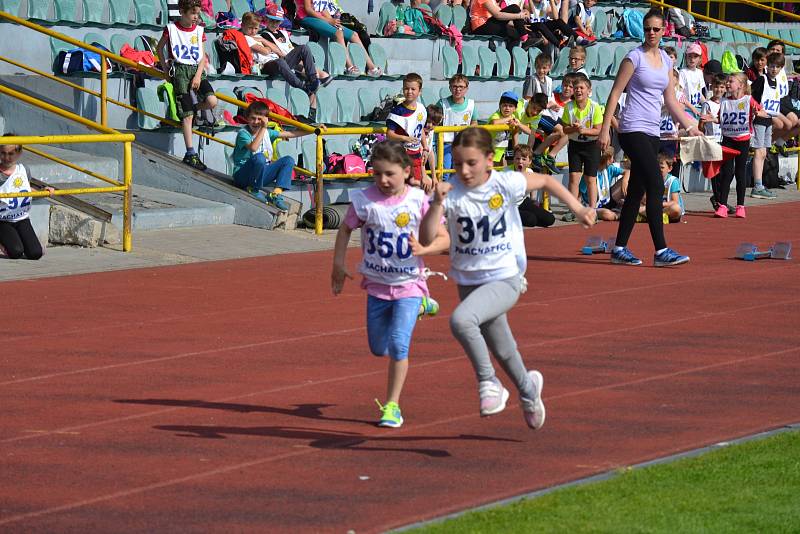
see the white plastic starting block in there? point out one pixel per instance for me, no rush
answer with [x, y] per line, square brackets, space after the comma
[597, 245]
[779, 251]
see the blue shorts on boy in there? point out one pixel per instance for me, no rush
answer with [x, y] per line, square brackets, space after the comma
[393, 276]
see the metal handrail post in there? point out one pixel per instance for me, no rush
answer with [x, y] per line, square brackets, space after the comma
[127, 197]
[320, 182]
[103, 91]
[440, 155]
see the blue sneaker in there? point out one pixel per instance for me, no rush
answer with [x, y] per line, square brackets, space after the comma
[624, 257]
[669, 257]
[257, 194]
[278, 201]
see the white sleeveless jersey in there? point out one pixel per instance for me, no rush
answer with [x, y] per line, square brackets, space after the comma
[387, 257]
[712, 129]
[539, 11]
[585, 123]
[667, 125]
[692, 82]
[486, 238]
[266, 147]
[783, 83]
[186, 46]
[734, 116]
[667, 186]
[456, 118]
[413, 125]
[771, 98]
[15, 209]
[284, 45]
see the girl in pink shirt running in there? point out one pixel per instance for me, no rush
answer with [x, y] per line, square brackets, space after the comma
[389, 213]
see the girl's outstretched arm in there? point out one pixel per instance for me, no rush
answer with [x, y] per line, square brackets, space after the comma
[586, 216]
[339, 272]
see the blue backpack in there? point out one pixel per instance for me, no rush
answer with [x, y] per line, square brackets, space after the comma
[633, 23]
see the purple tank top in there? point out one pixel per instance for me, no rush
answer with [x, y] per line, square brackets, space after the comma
[642, 111]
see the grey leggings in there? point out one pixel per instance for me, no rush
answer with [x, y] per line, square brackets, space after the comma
[480, 324]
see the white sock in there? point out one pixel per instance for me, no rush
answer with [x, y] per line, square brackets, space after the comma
[618, 248]
[660, 251]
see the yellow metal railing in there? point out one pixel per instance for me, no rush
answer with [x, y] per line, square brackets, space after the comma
[103, 94]
[105, 135]
[732, 25]
[766, 6]
[321, 176]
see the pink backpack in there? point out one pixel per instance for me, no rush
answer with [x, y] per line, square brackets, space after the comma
[347, 164]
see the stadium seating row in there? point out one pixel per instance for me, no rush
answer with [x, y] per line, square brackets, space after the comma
[122, 13]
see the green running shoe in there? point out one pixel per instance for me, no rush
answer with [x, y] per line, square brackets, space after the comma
[428, 307]
[390, 415]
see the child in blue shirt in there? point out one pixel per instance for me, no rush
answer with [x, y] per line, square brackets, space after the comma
[672, 201]
[253, 167]
[612, 183]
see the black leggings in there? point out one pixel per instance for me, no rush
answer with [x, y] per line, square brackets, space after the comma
[642, 150]
[532, 214]
[500, 28]
[550, 28]
[735, 166]
[18, 238]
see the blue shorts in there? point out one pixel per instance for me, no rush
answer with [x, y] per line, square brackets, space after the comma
[390, 324]
[325, 29]
[547, 124]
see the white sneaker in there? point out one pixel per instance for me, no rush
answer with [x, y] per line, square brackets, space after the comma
[533, 410]
[493, 397]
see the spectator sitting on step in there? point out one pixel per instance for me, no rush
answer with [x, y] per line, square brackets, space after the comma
[582, 22]
[488, 18]
[323, 16]
[276, 54]
[530, 212]
[253, 167]
[544, 20]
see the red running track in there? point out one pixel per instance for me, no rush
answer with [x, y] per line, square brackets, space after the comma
[237, 395]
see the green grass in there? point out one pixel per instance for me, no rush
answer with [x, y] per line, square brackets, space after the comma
[750, 487]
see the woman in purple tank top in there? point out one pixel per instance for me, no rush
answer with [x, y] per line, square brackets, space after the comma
[644, 74]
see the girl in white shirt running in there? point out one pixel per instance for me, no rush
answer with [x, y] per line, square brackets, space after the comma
[488, 261]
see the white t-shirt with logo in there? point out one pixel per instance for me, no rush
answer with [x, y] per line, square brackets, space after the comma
[15, 209]
[385, 234]
[486, 235]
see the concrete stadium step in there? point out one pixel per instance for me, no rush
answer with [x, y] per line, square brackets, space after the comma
[49, 171]
[155, 208]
